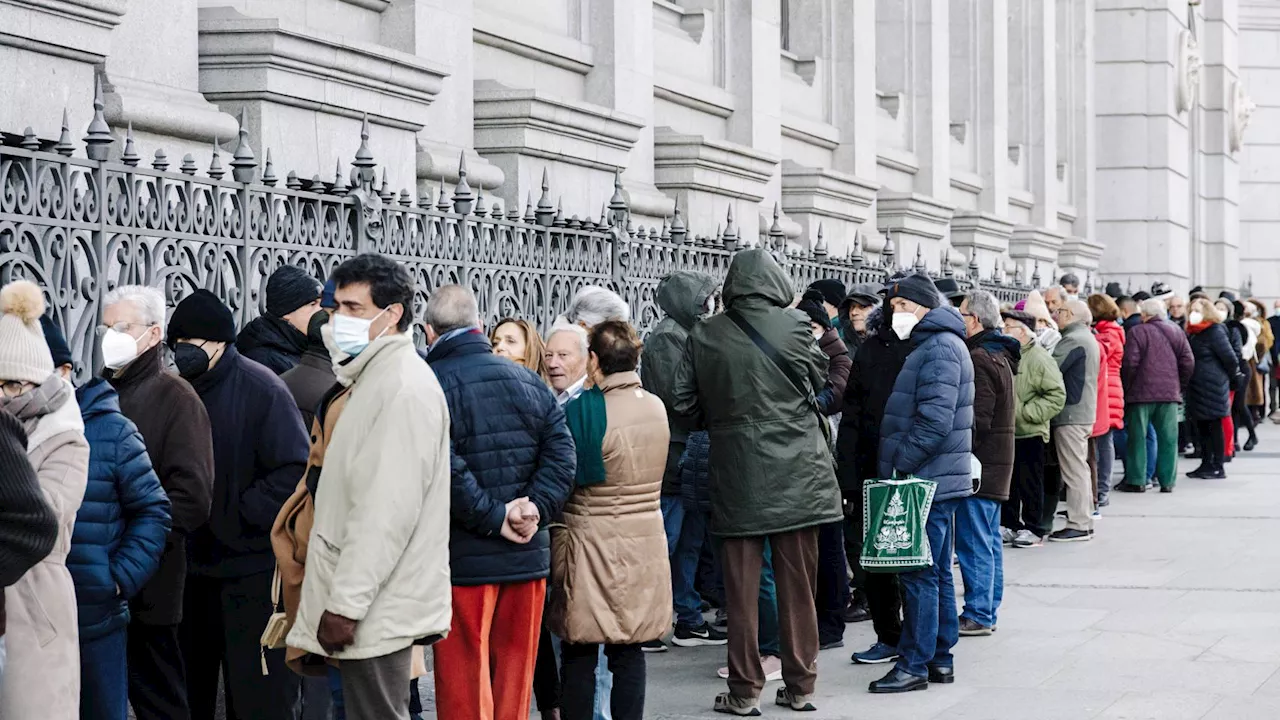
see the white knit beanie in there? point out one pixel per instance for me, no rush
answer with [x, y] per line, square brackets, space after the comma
[24, 355]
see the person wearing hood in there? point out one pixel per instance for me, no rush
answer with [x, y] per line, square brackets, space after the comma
[760, 411]
[1109, 417]
[1078, 357]
[853, 312]
[175, 427]
[1040, 396]
[278, 338]
[833, 581]
[928, 433]
[259, 452]
[1046, 328]
[979, 545]
[118, 538]
[1158, 363]
[876, 365]
[686, 297]
[42, 671]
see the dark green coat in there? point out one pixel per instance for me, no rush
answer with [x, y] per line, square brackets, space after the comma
[681, 295]
[771, 469]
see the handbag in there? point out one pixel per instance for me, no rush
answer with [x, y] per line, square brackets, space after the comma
[894, 514]
[771, 352]
[277, 629]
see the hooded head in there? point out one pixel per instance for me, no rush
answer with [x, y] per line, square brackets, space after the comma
[754, 277]
[683, 296]
[1036, 307]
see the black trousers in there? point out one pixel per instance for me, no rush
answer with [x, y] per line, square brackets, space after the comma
[884, 596]
[1026, 495]
[833, 582]
[1212, 443]
[157, 675]
[222, 622]
[1241, 415]
[1052, 488]
[578, 666]
[546, 676]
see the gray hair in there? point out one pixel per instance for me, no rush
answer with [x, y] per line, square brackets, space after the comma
[1153, 307]
[451, 307]
[984, 306]
[1069, 279]
[148, 301]
[593, 305]
[576, 330]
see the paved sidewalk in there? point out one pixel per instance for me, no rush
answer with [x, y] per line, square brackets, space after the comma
[1171, 612]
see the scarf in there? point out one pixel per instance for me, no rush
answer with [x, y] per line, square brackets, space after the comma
[585, 415]
[37, 402]
[1198, 327]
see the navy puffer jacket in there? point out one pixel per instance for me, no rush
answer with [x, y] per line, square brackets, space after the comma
[695, 472]
[928, 422]
[123, 522]
[509, 440]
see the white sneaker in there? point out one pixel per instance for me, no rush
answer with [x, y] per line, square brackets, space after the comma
[1006, 535]
[1096, 515]
[1027, 539]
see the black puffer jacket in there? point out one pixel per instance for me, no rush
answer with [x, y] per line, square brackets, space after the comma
[509, 440]
[273, 342]
[1216, 367]
[695, 472]
[875, 368]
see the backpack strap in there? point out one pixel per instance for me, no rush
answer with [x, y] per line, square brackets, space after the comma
[772, 353]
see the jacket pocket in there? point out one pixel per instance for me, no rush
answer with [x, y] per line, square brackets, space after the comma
[45, 631]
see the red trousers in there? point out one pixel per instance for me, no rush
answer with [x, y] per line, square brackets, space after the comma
[1229, 428]
[484, 668]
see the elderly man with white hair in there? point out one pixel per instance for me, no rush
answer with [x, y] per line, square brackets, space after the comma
[175, 426]
[1157, 367]
[593, 305]
[1077, 355]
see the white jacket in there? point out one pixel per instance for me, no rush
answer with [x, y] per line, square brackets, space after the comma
[1254, 329]
[379, 550]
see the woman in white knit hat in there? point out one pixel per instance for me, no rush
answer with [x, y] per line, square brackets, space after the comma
[42, 673]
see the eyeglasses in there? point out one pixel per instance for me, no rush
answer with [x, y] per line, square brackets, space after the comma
[14, 388]
[121, 327]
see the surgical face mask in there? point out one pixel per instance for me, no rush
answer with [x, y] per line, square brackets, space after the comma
[1048, 337]
[118, 349]
[1072, 297]
[1196, 317]
[191, 360]
[351, 334]
[903, 323]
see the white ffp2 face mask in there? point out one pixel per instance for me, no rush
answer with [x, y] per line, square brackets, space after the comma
[1196, 317]
[903, 323]
[118, 349]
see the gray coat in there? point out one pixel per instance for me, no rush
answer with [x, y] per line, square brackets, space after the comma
[1078, 359]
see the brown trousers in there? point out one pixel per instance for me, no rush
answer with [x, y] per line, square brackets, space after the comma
[795, 570]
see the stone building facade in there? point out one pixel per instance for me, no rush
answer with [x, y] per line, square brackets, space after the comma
[1095, 136]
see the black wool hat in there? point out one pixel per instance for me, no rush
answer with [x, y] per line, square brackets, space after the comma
[1114, 291]
[289, 288]
[57, 342]
[813, 308]
[1141, 295]
[831, 290]
[201, 315]
[917, 288]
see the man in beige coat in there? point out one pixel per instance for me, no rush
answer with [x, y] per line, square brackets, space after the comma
[377, 578]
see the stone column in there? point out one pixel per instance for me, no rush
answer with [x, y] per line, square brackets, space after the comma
[622, 79]
[1223, 98]
[855, 90]
[754, 74]
[1081, 250]
[1260, 158]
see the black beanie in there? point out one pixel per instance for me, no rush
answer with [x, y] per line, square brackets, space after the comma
[315, 326]
[57, 342]
[811, 305]
[917, 288]
[202, 316]
[289, 288]
[831, 290]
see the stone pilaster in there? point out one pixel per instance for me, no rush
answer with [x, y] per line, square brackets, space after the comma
[1223, 96]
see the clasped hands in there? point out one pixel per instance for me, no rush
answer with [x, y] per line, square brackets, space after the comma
[521, 522]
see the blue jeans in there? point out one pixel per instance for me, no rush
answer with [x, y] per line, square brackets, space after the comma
[981, 556]
[767, 607]
[1106, 461]
[930, 626]
[335, 690]
[104, 677]
[672, 520]
[684, 567]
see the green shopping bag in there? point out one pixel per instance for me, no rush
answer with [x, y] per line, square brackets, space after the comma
[894, 513]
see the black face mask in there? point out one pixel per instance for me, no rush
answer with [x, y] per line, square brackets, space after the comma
[191, 360]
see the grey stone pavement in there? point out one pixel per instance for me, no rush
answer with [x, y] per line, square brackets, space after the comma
[1171, 612]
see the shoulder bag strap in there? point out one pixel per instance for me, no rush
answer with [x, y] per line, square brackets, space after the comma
[770, 352]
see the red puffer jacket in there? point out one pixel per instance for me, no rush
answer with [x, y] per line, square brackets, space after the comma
[1110, 416]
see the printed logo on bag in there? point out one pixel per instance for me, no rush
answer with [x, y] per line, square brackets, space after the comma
[893, 535]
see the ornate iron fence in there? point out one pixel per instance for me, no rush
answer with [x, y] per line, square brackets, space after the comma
[79, 227]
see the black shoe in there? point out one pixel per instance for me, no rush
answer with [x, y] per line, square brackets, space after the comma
[831, 644]
[704, 634]
[898, 681]
[857, 614]
[1250, 444]
[653, 646]
[1199, 472]
[1214, 474]
[1071, 535]
[942, 674]
[1131, 488]
[1166, 489]
[1228, 458]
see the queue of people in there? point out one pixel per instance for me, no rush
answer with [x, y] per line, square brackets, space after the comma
[297, 509]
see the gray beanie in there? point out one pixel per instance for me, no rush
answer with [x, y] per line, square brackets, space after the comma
[24, 354]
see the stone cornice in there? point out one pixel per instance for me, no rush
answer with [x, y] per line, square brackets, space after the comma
[1086, 252]
[532, 44]
[981, 230]
[913, 213]
[104, 13]
[78, 30]
[697, 162]
[267, 59]
[530, 122]
[825, 192]
[1035, 243]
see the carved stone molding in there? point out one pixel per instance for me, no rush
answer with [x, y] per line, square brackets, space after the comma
[1240, 109]
[1189, 64]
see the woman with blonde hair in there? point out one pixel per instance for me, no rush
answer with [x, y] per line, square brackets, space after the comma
[518, 341]
[1256, 394]
[1209, 391]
